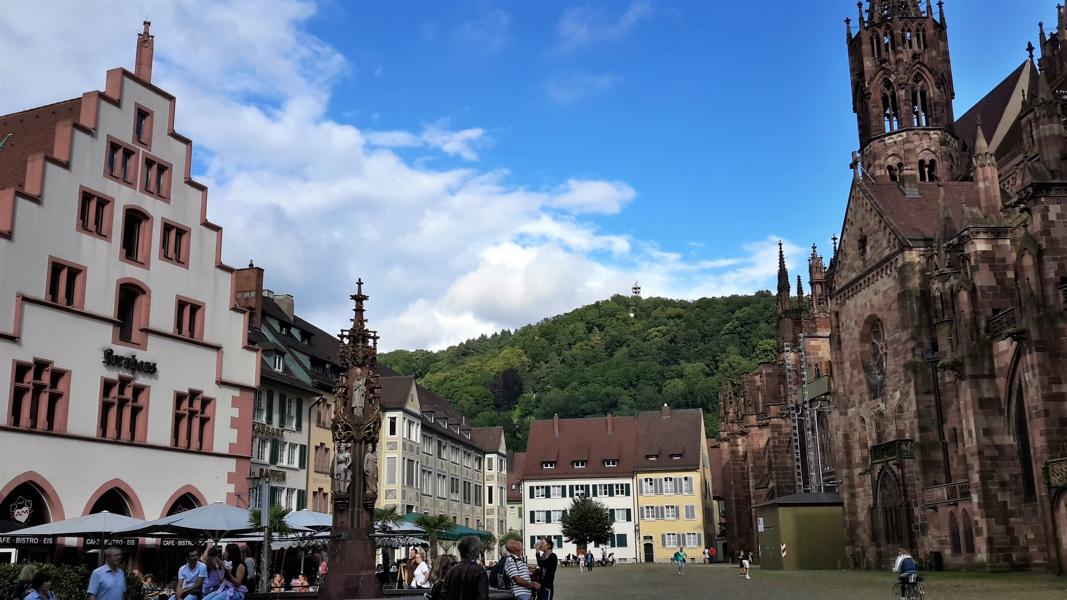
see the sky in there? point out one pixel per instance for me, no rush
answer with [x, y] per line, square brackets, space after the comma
[483, 165]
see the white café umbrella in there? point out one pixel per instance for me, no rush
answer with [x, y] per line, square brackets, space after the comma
[97, 524]
[213, 521]
[309, 519]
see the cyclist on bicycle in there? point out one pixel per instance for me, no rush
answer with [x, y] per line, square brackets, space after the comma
[907, 568]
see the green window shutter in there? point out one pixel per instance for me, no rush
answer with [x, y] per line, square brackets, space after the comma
[299, 414]
[622, 541]
[595, 489]
[531, 516]
[303, 456]
[270, 407]
[531, 491]
[611, 491]
[564, 513]
[281, 409]
[627, 489]
[274, 452]
[629, 515]
[301, 499]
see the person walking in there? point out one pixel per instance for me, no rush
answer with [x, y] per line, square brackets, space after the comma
[589, 561]
[522, 585]
[705, 553]
[41, 588]
[467, 580]
[746, 564]
[547, 562]
[680, 558]
[711, 554]
[581, 561]
[108, 581]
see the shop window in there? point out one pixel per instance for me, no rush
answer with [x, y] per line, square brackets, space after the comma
[189, 319]
[95, 214]
[142, 126]
[120, 162]
[174, 243]
[123, 410]
[136, 234]
[131, 311]
[193, 415]
[39, 396]
[66, 283]
[155, 178]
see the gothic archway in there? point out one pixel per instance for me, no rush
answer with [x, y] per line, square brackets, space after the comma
[874, 359]
[890, 511]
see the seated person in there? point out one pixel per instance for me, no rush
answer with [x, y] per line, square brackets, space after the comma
[150, 588]
[191, 577]
[907, 568]
[277, 583]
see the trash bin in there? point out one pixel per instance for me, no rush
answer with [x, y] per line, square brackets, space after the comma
[935, 561]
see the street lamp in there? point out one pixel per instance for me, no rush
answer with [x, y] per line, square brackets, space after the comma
[262, 483]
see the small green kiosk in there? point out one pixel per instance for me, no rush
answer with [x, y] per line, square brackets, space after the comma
[801, 531]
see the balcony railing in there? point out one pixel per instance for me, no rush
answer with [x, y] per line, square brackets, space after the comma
[948, 493]
[1003, 323]
[892, 450]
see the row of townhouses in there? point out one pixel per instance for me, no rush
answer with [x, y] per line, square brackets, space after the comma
[651, 471]
[135, 356]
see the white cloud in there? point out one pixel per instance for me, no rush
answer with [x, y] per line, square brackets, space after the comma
[568, 88]
[587, 25]
[488, 33]
[447, 253]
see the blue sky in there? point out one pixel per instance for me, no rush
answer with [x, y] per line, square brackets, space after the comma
[487, 164]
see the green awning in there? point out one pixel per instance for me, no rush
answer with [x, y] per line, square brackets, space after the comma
[453, 533]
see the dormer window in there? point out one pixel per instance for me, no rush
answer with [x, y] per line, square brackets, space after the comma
[278, 362]
[579, 464]
[285, 329]
[444, 423]
[548, 464]
[676, 457]
[611, 463]
[652, 457]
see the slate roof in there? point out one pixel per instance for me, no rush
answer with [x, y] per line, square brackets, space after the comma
[581, 439]
[667, 433]
[395, 391]
[516, 465]
[1000, 103]
[32, 131]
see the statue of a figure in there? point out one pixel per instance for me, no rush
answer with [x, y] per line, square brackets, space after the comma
[342, 468]
[359, 395]
[370, 474]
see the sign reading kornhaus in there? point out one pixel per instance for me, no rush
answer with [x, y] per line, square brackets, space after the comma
[130, 362]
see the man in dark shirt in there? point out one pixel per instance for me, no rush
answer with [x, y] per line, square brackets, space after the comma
[467, 580]
[547, 562]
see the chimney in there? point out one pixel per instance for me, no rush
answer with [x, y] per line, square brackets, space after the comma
[286, 303]
[555, 424]
[665, 412]
[145, 49]
[611, 423]
[248, 291]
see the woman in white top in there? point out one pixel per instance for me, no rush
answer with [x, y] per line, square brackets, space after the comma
[421, 578]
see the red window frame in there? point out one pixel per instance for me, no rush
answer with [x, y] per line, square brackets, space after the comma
[174, 243]
[61, 297]
[39, 396]
[123, 409]
[144, 239]
[151, 182]
[98, 218]
[130, 178]
[145, 139]
[194, 419]
[189, 317]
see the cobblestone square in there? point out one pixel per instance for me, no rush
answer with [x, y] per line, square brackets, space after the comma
[659, 582]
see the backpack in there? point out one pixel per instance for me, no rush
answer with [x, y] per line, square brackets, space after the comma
[498, 575]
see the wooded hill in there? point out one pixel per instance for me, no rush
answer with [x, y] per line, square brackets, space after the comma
[597, 359]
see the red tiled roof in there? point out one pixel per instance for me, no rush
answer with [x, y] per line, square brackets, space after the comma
[581, 439]
[32, 131]
[516, 465]
[918, 218]
[667, 433]
[487, 438]
[395, 391]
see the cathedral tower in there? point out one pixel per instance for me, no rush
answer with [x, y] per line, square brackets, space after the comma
[902, 91]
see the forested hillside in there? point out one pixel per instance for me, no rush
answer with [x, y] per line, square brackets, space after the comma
[597, 359]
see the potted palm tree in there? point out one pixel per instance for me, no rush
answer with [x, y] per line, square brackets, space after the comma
[434, 526]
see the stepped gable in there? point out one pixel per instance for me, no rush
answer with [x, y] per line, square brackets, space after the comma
[593, 440]
[31, 132]
[666, 433]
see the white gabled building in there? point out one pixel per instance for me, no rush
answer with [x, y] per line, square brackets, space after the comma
[126, 376]
[566, 458]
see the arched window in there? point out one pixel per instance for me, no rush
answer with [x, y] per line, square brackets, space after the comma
[892, 172]
[953, 533]
[891, 511]
[131, 311]
[907, 39]
[889, 43]
[136, 236]
[184, 502]
[939, 305]
[874, 363]
[25, 506]
[1022, 443]
[114, 502]
[890, 108]
[920, 108]
[920, 38]
[931, 170]
[968, 533]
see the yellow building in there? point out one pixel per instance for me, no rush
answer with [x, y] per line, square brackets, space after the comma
[320, 455]
[672, 476]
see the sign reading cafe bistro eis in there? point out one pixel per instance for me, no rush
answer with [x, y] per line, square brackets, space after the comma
[129, 362]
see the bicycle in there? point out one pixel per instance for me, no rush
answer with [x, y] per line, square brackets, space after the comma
[908, 590]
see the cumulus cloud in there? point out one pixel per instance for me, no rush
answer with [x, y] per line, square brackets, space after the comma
[447, 253]
[568, 88]
[586, 25]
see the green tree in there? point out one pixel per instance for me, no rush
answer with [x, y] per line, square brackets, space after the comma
[434, 526]
[278, 525]
[587, 521]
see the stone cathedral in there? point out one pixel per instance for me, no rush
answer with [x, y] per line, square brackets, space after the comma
[924, 375]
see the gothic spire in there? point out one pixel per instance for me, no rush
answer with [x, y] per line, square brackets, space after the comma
[783, 281]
